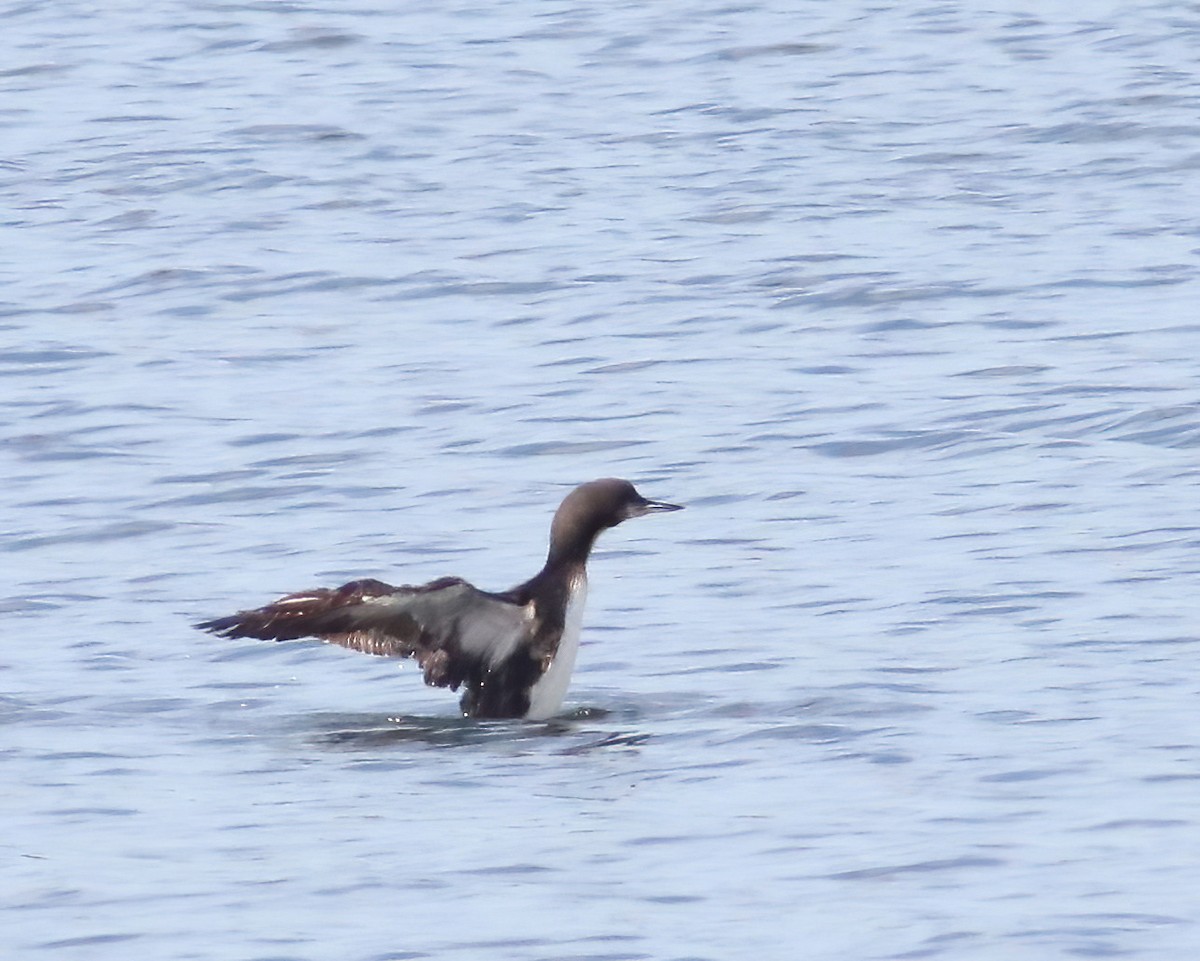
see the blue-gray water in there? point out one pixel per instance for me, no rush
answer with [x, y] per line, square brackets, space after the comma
[900, 300]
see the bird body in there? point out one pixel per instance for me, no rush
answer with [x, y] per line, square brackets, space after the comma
[513, 652]
[548, 691]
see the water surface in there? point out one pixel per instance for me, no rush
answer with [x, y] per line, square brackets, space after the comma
[900, 301]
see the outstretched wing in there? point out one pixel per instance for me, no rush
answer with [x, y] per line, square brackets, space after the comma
[454, 630]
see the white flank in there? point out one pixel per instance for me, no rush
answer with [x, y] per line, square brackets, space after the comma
[546, 696]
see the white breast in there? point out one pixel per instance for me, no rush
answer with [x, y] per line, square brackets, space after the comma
[546, 696]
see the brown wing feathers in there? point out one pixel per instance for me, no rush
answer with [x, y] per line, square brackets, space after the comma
[305, 614]
[368, 616]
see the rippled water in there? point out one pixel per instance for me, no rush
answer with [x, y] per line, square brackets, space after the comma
[899, 300]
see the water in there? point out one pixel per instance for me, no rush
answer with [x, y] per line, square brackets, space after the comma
[900, 301]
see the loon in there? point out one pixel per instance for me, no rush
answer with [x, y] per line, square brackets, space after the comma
[512, 652]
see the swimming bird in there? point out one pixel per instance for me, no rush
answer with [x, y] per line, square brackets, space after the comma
[512, 652]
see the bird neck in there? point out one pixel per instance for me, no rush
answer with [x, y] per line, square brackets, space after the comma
[560, 574]
[571, 540]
